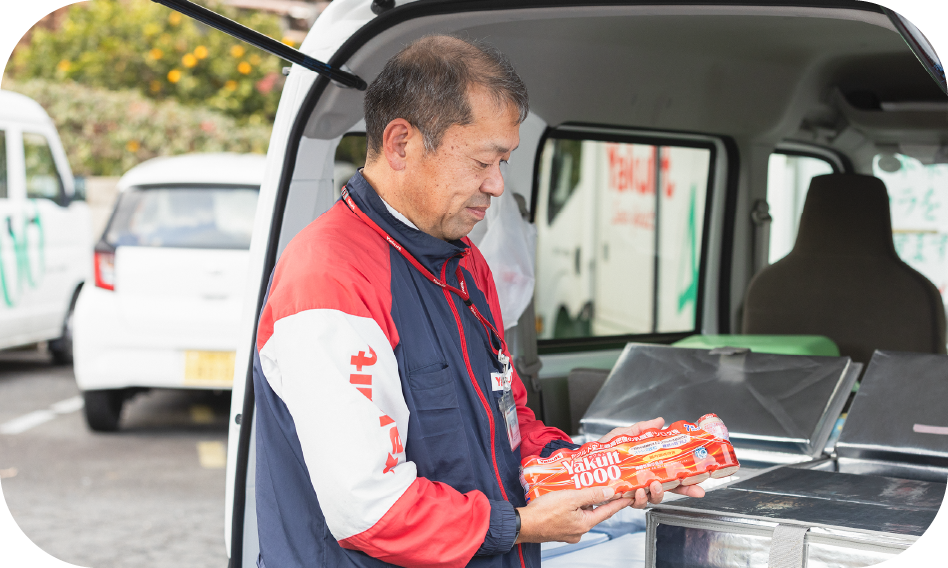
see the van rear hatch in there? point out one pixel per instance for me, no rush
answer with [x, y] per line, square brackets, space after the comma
[180, 258]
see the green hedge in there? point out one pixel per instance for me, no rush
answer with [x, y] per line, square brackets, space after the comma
[107, 132]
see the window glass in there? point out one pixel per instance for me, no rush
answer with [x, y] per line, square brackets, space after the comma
[42, 179]
[619, 235]
[788, 179]
[184, 217]
[564, 174]
[350, 156]
[918, 201]
[3, 164]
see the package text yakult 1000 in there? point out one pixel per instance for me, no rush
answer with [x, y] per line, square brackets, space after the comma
[682, 454]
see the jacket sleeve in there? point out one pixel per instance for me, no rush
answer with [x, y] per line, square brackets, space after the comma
[337, 374]
[534, 434]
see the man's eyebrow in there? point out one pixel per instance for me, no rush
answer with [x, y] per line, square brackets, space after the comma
[494, 147]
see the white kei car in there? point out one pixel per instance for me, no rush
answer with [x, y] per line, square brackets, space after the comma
[169, 274]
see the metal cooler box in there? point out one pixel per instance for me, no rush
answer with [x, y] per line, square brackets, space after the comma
[793, 518]
[779, 409]
[871, 499]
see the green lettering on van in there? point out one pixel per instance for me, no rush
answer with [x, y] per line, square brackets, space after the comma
[23, 265]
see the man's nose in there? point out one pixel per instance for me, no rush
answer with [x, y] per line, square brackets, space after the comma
[494, 183]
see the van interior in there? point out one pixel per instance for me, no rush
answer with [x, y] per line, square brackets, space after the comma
[699, 101]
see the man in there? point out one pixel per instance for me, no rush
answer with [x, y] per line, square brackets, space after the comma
[390, 426]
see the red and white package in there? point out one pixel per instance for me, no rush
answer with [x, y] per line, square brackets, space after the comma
[682, 454]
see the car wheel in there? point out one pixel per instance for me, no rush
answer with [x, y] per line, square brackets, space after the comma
[61, 349]
[103, 409]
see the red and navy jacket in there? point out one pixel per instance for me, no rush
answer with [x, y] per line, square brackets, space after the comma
[379, 439]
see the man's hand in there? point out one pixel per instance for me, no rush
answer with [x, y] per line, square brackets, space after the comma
[568, 514]
[635, 429]
[640, 499]
[655, 492]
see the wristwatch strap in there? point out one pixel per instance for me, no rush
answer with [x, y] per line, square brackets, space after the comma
[517, 513]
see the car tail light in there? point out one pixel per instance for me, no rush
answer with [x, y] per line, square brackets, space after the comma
[105, 270]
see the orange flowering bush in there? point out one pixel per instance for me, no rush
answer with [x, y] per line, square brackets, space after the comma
[144, 46]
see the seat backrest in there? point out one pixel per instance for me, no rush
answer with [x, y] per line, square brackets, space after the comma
[584, 385]
[843, 278]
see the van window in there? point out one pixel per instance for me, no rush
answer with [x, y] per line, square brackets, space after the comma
[42, 178]
[918, 201]
[620, 225]
[211, 217]
[352, 149]
[564, 174]
[350, 156]
[3, 164]
[788, 179]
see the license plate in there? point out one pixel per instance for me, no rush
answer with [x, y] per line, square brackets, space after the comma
[209, 368]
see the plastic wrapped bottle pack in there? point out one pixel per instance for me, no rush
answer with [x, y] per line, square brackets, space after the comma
[682, 454]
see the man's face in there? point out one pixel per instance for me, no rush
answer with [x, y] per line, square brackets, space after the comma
[449, 190]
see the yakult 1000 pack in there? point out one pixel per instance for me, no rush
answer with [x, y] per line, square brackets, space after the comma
[682, 454]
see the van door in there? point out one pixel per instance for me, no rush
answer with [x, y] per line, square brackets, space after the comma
[19, 267]
[45, 239]
[10, 315]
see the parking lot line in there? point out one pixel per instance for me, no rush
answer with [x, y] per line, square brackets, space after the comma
[37, 417]
[66, 406]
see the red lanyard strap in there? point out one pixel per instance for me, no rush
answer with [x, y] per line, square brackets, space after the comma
[395, 244]
[442, 282]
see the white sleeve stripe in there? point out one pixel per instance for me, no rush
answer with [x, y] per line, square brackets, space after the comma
[344, 402]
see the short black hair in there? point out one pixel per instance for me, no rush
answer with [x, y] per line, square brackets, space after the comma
[427, 83]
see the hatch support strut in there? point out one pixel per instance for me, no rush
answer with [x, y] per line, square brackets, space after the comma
[265, 43]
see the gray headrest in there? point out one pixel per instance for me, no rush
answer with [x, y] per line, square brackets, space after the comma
[845, 214]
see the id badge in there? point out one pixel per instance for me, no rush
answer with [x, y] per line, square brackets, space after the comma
[508, 407]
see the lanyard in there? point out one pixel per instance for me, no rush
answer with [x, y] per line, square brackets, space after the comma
[460, 291]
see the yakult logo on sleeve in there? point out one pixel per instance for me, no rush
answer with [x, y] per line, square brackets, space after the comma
[362, 380]
[392, 460]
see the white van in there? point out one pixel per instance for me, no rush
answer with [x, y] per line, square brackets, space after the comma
[45, 231]
[644, 162]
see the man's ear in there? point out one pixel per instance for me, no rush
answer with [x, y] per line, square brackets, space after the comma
[395, 139]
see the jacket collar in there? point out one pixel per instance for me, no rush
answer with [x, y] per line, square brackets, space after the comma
[430, 251]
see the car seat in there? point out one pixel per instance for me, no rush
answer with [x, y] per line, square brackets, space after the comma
[843, 278]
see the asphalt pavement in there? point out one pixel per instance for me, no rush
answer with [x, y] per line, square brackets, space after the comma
[150, 495]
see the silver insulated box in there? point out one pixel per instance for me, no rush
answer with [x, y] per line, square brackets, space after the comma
[793, 517]
[877, 493]
[779, 409]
